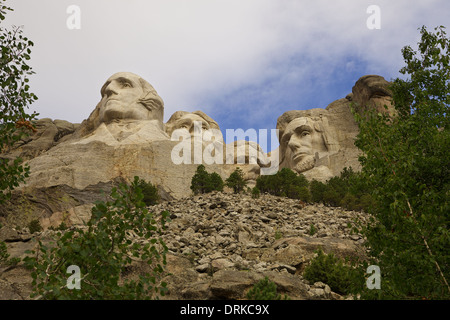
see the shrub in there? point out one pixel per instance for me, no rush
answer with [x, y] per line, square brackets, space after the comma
[350, 202]
[301, 193]
[204, 182]
[312, 229]
[264, 289]
[255, 193]
[216, 182]
[236, 181]
[284, 183]
[349, 190]
[342, 278]
[331, 197]
[4, 255]
[34, 226]
[317, 189]
[149, 191]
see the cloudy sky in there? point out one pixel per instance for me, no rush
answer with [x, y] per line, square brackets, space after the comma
[243, 62]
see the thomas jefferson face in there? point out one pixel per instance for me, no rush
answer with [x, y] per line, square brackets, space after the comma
[187, 122]
[124, 96]
[301, 140]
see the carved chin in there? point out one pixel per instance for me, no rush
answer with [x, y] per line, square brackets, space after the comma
[305, 165]
[112, 114]
[119, 112]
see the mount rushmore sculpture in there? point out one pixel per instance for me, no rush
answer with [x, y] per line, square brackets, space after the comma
[125, 136]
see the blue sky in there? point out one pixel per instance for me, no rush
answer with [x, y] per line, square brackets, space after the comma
[243, 62]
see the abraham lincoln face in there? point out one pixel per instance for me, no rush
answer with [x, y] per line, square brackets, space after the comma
[302, 138]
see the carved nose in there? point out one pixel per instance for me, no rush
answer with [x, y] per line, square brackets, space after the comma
[294, 143]
[110, 90]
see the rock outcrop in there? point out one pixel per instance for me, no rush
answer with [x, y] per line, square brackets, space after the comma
[319, 143]
[125, 136]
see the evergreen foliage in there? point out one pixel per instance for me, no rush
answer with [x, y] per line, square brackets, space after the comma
[285, 183]
[331, 270]
[349, 190]
[236, 181]
[204, 182]
[264, 289]
[255, 193]
[216, 182]
[34, 226]
[150, 192]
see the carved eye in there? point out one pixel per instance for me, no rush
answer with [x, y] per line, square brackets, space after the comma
[126, 85]
[305, 133]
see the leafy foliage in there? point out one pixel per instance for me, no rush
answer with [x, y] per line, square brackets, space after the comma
[15, 97]
[406, 164]
[204, 182]
[119, 233]
[236, 181]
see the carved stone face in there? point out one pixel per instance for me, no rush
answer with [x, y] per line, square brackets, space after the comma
[187, 122]
[127, 96]
[301, 140]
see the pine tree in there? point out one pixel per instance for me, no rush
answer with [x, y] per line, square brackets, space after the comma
[236, 181]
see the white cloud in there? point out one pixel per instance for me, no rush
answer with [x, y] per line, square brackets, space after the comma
[200, 50]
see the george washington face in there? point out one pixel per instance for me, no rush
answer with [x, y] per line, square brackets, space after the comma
[127, 96]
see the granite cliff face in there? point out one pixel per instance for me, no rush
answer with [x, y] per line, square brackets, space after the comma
[212, 238]
[125, 136]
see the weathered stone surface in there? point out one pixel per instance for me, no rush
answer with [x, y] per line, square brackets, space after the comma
[221, 251]
[53, 205]
[124, 136]
[373, 92]
[220, 244]
[48, 134]
[319, 143]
